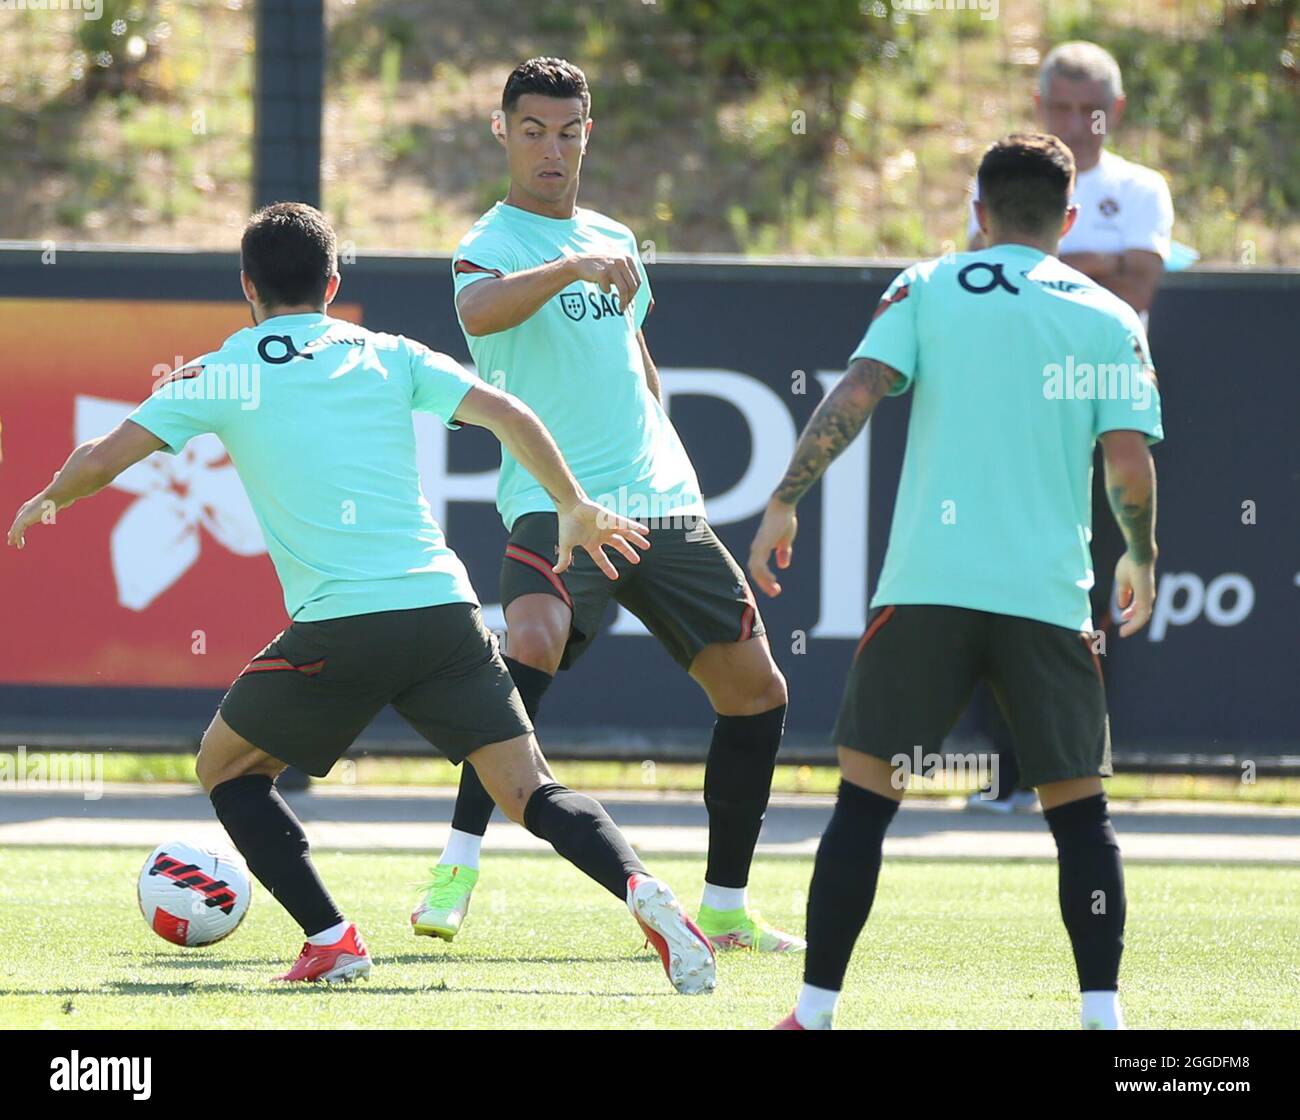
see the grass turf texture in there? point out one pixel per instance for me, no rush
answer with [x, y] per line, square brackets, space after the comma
[949, 945]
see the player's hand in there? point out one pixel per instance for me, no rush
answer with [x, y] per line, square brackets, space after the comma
[591, 527]
[609, 272]
[1136, 587]
[776, 533]
[31, 512]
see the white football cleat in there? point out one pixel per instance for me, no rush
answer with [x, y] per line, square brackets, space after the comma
[686, 953]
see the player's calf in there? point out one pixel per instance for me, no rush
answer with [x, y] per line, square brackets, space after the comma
[749, 694]
[239, 780]
[445, 899]
[1093, 903]
[580, 830]
[843, 887]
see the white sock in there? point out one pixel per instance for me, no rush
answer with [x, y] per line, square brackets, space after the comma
[724, 898]
[816, 1008]
[462, 849]
[331, 935]
[1101, 1012]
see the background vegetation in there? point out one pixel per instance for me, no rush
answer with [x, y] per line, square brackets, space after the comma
[843, 128]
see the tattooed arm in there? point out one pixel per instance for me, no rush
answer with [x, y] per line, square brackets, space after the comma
[1131, 487]
[836, 423]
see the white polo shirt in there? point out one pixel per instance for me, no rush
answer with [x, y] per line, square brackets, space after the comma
[1122, 206]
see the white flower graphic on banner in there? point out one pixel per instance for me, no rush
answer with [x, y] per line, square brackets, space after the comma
[157, 539]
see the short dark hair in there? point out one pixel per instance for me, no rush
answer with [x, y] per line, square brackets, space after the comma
[288, 252]
[551, 77]
[1025, 180]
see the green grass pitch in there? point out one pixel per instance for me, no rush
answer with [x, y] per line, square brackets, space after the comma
[949, 944]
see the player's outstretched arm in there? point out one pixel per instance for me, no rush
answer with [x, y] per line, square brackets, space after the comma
[492, 305]
[836, 423]
[90, 468]
[583, 523]
[1131, 487]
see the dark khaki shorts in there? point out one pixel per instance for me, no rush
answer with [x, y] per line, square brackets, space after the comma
[314, 689]
[687, 589]
[916, 667]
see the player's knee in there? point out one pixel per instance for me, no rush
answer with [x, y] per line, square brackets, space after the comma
[214, 765]
[212, 774]
[212, 771]
[759, 691]
[207, 765]
[538, 642]
[203, 771]
[774, 692]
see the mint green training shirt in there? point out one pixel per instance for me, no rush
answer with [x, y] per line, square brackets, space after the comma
[1017, 363]
[316, 416]
[576, 362]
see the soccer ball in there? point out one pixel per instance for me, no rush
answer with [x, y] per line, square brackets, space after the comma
[193, 896]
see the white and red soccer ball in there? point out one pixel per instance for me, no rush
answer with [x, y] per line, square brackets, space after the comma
[193, 896]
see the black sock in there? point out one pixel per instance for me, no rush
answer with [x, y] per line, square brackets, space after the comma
[844, 882]
[275, 848]
[474, 804]
[1091, 889]
[737, 785]
[578, 827]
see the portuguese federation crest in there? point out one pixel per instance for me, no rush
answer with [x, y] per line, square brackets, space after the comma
[575, 307]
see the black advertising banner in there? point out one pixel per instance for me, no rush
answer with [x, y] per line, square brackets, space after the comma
[745, 352]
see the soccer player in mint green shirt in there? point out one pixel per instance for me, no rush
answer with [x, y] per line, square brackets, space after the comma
[552, 298]
[1018, 365]
[316, 416]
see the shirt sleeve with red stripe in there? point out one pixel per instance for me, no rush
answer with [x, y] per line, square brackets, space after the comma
[891, 336]
[483, 255]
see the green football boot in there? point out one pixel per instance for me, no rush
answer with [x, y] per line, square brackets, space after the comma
[442, 908]
[741, 929]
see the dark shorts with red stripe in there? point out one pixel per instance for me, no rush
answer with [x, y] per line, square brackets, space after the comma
[916, 667]
[687, 590]
[313, 690]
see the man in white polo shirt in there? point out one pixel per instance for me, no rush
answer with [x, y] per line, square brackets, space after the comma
[1121, 240]
[1121, 237]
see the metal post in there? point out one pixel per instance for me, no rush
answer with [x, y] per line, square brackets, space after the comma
[288, 94]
